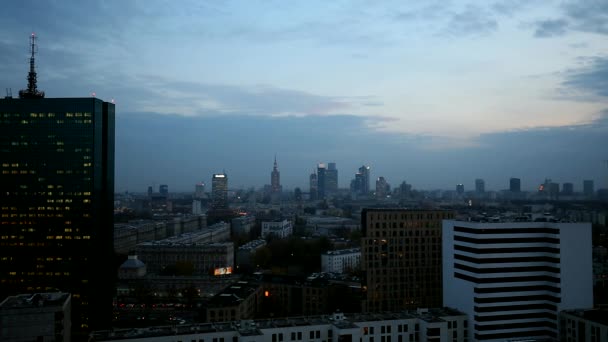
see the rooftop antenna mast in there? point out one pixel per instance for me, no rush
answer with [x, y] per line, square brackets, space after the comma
[32, 91]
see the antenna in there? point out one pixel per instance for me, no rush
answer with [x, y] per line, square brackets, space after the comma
[9, 93]
[32, 91]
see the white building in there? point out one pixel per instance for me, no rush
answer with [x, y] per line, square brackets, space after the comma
[512, 279]
[280, 229]
[341, 260]
[440, 325]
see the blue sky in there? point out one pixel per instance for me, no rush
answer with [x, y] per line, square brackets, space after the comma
[434, 93]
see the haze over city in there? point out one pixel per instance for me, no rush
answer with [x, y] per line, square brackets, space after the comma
[434, 94]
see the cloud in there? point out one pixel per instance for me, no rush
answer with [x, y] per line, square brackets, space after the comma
[580, 15]
[470, 21]
[589, 82]
[550, 28]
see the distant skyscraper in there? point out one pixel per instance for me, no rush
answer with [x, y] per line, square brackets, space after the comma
[588, 188]
[331, 179]
[199, 190]
[314, 188]
[57, 186]
[219, 191]
[163, 189]
[460, 189]
[480, 186]
[382, 188]
[150, 191]
[568, 189]
[275, 179]
[363, 174]
[514, 185]
[401, 258]
[321, 181]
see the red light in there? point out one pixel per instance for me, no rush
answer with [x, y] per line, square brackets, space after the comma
[266, 294]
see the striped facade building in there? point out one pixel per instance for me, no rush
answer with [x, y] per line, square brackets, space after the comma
[512, 279]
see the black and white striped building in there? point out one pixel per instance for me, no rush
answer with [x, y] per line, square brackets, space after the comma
[512, 279]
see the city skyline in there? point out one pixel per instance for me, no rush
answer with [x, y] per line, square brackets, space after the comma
[412, 90]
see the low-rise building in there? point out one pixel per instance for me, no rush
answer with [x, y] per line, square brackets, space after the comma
[243, 224]
[583, 325]
[281, 229]
[340, 261]
[36, 317]
[246, 252]
[422, 326]
[194, 258]
[236, 302]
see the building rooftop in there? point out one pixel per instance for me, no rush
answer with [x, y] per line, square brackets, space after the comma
[27, 301]
[344, 251]
[255, 327]
[234, 294]
[594, 315]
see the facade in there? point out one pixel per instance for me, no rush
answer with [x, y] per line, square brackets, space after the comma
[340, 261]
[588, 188]
[568, 189]
[236, 302]
[365, 179]
[314, 186]
[44, 317]
[246, 252]
[583, 325]
[405, 326]
[281, 229]
[513, 278]
[515, 185]
[194, 258]
[401, 258]
[382, 188]
[242, 224]
[163, 189]
[199, 190]
[275, 179]
[128, 235]
[57, 181]
[331, 179]
[219, 190]
[321, 181]
[480, 186]
[460, 189]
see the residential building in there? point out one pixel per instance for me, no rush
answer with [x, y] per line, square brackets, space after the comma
[341, 261]
[238, 301]
[44, 317]
[403, 326]
[246, 252]
[187, 258]
[281, 229]
[513, 278]
[242, 224]
[583, 325]
[401, 258]
[57, 185]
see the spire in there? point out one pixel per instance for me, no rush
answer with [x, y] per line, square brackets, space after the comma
[275, 161]
[32, 91]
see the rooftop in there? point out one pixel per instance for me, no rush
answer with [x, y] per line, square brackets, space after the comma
[27, 301]
[254, 327]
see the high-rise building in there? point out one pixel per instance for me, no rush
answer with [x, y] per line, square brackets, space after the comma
[401, 258]
[163, 189]
[588, 188]
[57, 185]
[513, 278]
[331, 179]
[568, 189]
[321, 181]
[275, 179]
[314, 187]
[150, 191]
[199, 190]
[365, 179]
[515, 185]
[219, 191]
[480, 186]
[460, 189]
[382, 188]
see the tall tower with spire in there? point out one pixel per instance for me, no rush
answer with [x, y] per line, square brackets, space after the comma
[275, 179]
[32, 91]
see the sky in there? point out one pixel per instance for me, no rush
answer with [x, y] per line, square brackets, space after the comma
[434, 93]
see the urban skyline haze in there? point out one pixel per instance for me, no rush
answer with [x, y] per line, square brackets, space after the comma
[435, 94]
